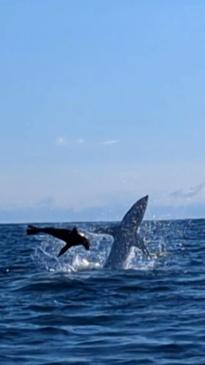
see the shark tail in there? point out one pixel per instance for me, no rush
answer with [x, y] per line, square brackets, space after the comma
[32, 230]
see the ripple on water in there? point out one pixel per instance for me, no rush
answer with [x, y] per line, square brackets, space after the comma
[73, 311]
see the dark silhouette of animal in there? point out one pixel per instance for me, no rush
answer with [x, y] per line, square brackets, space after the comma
[71, 236]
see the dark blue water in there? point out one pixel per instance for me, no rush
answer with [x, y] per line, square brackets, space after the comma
[72, 311]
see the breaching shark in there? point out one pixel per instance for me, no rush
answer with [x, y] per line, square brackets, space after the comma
[126, 235]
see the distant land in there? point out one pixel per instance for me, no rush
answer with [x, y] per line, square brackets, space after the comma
[102, 213]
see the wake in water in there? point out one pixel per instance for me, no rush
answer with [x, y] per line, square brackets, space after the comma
[74, 310]
[125, 236]
[115, 247]
[77, 259]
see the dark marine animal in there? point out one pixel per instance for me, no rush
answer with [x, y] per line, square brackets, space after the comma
[71, 236]
[126, 235]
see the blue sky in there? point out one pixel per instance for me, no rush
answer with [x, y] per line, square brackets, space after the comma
[101, 102]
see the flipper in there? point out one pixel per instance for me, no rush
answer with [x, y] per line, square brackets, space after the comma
[64, 249]
[139, 243]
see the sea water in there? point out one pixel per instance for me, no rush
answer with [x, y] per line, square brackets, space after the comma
[70, 310]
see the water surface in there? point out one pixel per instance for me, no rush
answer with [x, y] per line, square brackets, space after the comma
[73, 311]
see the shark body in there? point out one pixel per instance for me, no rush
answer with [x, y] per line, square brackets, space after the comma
[126, 235]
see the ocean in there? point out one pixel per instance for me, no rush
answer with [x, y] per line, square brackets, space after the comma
[70, 310]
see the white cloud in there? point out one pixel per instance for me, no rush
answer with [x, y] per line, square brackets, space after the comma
[190, 193]
[110, 142]
[61, 141]
[80, 140]
[83, 186]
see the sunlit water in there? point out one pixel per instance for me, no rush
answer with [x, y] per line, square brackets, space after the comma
[70, 310]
